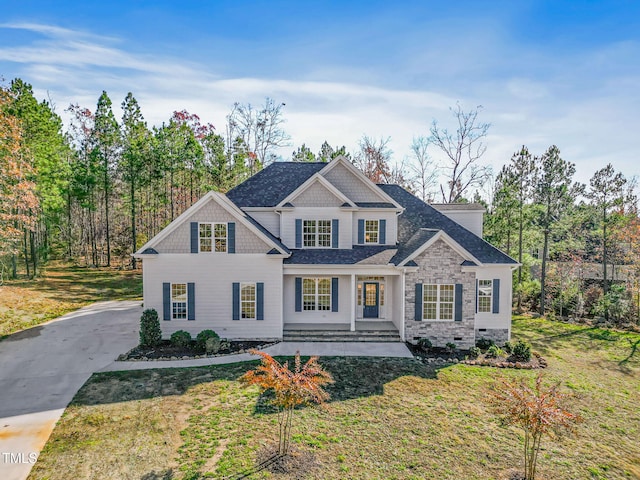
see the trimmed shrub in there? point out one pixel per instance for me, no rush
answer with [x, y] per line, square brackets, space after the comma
[425, 344]
[212, 345]
[508, 347]
[494, 352]
[474, 352]
[522, 351]
[203, 336]
[181, 338]
[451, 347]
[484, 344]
[150, 333]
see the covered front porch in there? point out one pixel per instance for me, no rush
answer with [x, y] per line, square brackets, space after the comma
[343, 303]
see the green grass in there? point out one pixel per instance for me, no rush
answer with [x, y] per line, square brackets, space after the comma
[62, 289]
[387, 419]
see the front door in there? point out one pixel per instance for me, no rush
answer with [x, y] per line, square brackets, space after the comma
[371, 300]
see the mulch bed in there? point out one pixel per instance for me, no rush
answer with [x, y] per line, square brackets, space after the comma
[167, 351]
[536, 361]
[438, 355]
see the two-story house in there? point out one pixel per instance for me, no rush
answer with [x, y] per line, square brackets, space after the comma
[318, 246]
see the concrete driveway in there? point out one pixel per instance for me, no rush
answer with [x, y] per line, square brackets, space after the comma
[42, 368]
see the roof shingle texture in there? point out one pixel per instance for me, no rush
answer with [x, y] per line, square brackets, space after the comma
[335, 256]
[419, 215]
[270, 186]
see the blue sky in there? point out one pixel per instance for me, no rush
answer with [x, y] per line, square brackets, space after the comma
[546, 72]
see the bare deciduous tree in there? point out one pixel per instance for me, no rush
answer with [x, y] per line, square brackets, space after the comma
[463, 150]
[373, 158]
[261, 131]
[424, 168]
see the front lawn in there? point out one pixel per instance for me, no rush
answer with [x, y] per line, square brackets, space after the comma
[388, 419]
[61, 289]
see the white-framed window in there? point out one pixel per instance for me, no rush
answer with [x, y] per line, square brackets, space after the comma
[485, 296]
[212, 237]
[248, 300]
[316, 233]
[438, 301]
[371, 231]
[178, 301]
[316, 294]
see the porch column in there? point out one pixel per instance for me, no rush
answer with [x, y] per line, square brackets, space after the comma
[354, 302]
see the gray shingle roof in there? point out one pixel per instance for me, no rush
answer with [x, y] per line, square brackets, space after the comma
[335, 256]
[418, 215]
[375, 205]
[274, 183]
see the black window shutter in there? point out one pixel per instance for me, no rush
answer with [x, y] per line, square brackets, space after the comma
[382, 235]
[236, 301]
[458, 303]
[298, 233]
[231, 237]
[166, 301]
[191, 301]
[298, 294]
[334, 294]
[194, 237]
[418, 303]
[496, 295]
[477, 297]
[259, 301]
[360, 231]
[335, 233]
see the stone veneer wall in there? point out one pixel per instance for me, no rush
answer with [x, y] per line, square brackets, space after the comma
[441, 264]
[498, 335]
[179, 241]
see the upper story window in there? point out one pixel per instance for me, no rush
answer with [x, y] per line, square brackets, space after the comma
[485, 296]
[316, 233]
[371, 231]
[213, 237]
[437, 302]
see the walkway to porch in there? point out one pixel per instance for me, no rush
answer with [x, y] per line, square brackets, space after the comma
[366, 331]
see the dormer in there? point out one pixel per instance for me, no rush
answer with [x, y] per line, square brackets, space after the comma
[469, 215]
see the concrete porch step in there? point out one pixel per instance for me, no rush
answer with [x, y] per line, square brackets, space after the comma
[341, 336]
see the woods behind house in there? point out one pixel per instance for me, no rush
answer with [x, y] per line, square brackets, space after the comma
[98, 190]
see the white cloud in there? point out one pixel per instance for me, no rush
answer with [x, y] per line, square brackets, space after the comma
[74, 67]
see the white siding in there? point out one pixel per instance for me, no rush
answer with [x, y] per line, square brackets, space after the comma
[371, 214]
[213, 277]
[502, 319]
[345, 302]
[469, 219]
[269, 220]
[288, 223]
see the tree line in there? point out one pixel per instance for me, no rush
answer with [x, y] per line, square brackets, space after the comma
[97, 191]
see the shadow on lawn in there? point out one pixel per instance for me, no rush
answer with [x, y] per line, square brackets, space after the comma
[354, 377]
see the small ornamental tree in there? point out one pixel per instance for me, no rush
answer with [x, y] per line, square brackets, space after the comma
[302, 386]
[538, 411]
